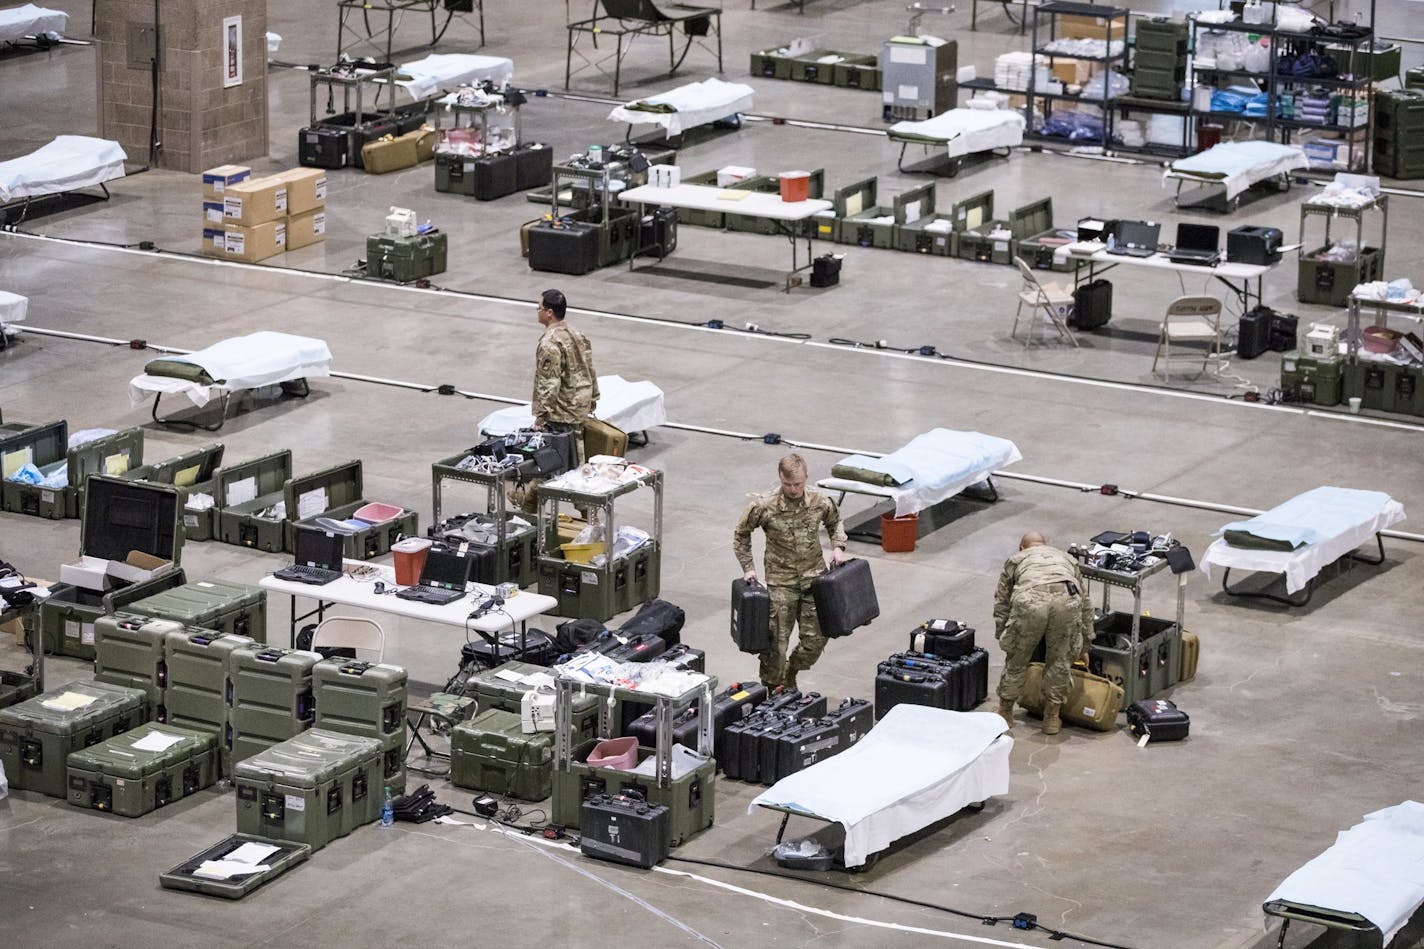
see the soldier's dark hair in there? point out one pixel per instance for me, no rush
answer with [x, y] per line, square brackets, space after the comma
[793, 464]
[554, 302]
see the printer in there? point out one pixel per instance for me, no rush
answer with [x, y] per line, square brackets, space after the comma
[1249, 244]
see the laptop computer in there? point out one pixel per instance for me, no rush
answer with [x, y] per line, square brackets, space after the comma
[442, 579]
[1197, 244]
[318, 558]
[1136, 239]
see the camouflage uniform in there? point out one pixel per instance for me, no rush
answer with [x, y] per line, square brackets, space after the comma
[1034, 602]
[565, 392]
[793, 559]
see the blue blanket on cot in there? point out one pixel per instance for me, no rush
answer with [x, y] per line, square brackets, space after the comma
[937, 458]
[1309, 518]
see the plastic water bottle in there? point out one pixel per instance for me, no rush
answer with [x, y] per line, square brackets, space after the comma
[388, 811]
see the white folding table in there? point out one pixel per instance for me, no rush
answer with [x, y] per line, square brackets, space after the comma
[1244, 280]
[792, 217]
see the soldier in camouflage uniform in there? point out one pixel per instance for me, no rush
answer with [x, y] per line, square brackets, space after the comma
[565, 383]
[1041, 596]
[791, 518]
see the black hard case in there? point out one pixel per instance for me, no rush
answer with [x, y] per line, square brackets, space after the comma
[802, 747]
[683, 656]
[1253, 336]
[533, 166]
[1159, 719]
[625, 830]
[323, 146]
[643, 647]
[496, 176]
[1092, 305]
[751, 616]
[855, 717]
[941, 637]
[845, 598]
[570, 248]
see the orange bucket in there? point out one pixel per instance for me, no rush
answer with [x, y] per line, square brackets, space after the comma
[795, 185]
[898, 534]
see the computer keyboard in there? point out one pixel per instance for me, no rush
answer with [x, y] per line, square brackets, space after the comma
[302, 573]
[432, 595]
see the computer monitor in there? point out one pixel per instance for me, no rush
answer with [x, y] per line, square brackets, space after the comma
[317, 548]
[1138, 234]
[1199, 237]
[445, 569]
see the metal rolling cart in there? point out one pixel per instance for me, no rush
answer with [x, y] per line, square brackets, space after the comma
[353, 80]
[590, 187]
[589, 591]
[690, 797]
[514, 558]
[1387, 385]
[476, 115]
[18, 686]
[1139, 652]
[1331, 282]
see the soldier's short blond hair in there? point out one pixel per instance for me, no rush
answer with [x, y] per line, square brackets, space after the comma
[790, 466]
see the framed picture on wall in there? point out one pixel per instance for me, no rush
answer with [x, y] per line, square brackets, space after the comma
[232, 51]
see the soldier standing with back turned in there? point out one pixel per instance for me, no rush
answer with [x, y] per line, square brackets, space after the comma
[1041, 596]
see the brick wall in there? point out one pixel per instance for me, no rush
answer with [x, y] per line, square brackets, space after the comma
[200, 124]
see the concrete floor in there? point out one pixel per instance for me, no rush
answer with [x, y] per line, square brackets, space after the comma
[1303, 719]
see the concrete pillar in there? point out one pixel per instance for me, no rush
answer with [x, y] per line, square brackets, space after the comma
[201, 122]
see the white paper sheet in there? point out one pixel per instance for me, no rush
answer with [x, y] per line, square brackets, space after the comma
[227, 869]
[251, 853]
[311, 503]
[240, 492]
[156, 741]
[69, 701]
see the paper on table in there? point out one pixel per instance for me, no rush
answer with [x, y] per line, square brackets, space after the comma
[69, 701]
[227, 869]
[156, 741]
[311, 503]
[733, 195]
[250, 853]
[241, 491]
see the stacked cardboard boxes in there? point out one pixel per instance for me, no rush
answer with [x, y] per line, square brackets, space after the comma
[251, 219]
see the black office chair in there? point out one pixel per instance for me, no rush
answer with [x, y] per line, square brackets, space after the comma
[633, 18]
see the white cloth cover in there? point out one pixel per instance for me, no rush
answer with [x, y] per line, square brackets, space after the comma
[242, 362]
[942, 462]
[1375, 869]
[68, 163]
[631, 406]
[447, 70]
[30, 20]
[697, 103]
[13, 308]
[964, 131]
[1236, 166]
[1313, 509]
[917, 765]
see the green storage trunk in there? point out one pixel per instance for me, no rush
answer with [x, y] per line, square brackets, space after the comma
[1331, 282]
[192, 472]
[805, 68]
[361, 698]
[1374, 60]
[770, 184]
[862, 229]
[37, 735]
[130, 781]
[932, 234]
[1307, 379]
[617, 234]
[406, 258]
[246, 494]
[68, 615]
[1414, 78]
[1400, 157]
[637, 578]
[269, 697]
[338, 492]
[16, 687]
[1154, 666]
[854, 226]
[503, 687]
[129, 651]
[588, 592]
[1036, 240]
[1384, 386]
[187, 876]
[771, 64]
[690, 800]
[211, 604]
[196, 693]
[491, 753]
[455, 173]
[311, 789]
[859, 71]
[1160, 36]
[113, 455]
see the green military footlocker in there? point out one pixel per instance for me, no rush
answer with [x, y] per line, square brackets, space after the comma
[366, 699]
[38, 735]
[129, 651]
[311, 789]
[142, 770]
[492, 753]
[211, 604]
[406, 258]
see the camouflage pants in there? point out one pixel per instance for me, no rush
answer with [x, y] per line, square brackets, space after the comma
[522, 495]
[1049, 614]
[791, 607]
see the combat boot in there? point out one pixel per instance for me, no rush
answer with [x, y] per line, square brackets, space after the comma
[1006, 711]
[1052, 725]
[789, 680]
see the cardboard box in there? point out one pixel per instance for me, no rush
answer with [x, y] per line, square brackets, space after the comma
[217, 180]
[254, 202]
[212, 214]
[246, 243]
[306, 189]
[1074, 71]
[98, 574]
[306, 229]
[1090, 27]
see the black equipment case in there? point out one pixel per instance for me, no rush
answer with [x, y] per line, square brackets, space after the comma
[1253, 335]
[845, 598]
[567, 247]
[1158, 719]
[751, 616]
[625, 829]
[942, 637]
[1092, 305]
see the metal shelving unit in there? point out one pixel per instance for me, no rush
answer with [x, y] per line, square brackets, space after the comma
[1040, 38]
